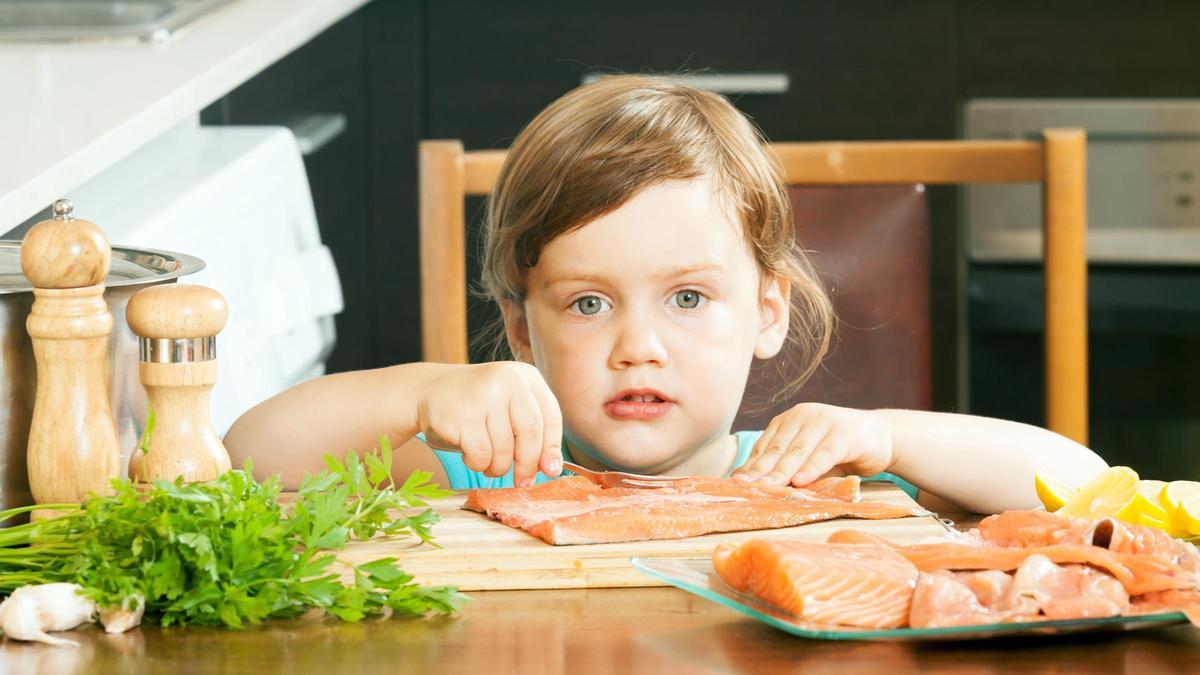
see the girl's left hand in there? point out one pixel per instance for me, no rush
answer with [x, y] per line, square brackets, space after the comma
[804, 443]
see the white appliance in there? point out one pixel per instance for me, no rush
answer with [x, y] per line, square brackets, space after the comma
[237, 198]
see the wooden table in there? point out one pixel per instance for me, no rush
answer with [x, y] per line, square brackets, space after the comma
[642, 630]
[662, 631]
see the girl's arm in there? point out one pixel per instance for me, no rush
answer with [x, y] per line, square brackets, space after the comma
[288, 433]
[982, 464]
[499, 414]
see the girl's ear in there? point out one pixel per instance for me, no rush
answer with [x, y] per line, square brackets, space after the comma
[516, 329]
[774, 313]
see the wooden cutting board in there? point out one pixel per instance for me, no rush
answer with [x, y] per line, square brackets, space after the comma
[481, 554]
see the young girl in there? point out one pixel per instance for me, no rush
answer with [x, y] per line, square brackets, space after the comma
[639, 243]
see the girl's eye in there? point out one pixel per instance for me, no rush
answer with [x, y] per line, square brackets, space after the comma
[590, 304]
[688, 299]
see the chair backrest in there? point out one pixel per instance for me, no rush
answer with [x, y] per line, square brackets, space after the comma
[870, 244]
[448, 174]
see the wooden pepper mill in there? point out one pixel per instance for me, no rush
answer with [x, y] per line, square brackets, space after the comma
[72, 438]
[177, 325]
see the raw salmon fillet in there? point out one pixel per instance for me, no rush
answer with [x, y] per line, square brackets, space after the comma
[1040, 528]
[1039, 590]
[1138, 572]
[1016, 567]
[574, 510]
[1186, 601]
[943, 599]
[864, 585]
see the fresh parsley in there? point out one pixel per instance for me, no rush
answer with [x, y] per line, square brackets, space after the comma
[227, 552]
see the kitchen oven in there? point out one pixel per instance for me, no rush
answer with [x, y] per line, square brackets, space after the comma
[1144, 277]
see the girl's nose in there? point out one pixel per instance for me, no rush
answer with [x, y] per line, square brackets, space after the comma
[638, 341]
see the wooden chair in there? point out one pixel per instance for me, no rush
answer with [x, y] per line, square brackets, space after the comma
[448, 174]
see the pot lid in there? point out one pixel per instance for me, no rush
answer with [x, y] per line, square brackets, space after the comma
[130, 266]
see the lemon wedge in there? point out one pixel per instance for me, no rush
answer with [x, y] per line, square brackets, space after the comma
[1166, 525]
[1112, 493]
[1172, 497]
[1189, 515]
[1149, 505]
[1053, 492]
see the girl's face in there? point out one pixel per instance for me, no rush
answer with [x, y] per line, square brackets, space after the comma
[644, 323]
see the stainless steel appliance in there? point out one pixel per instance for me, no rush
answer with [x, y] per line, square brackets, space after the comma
[79, 20]
[1143, 179]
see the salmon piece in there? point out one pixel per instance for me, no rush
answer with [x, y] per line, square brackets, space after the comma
[578, 488]
[990, 587]
[1122, 537]
[1040, 528]
[1186, 601]
[942, 599]
[573, 510]
[676, 519]
[1025, 528]
[1039, 590]
[863, 585]
[1064, 591]
[1138, 573]
[844, 488]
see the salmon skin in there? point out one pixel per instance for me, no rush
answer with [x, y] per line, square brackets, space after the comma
[864, 585]
[573, 510]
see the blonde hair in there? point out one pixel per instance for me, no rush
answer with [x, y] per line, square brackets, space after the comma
[597, 146]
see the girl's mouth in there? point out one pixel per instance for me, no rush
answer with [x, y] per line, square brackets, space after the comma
[638, 404]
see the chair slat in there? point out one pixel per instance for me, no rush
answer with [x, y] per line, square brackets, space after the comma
[930, 162]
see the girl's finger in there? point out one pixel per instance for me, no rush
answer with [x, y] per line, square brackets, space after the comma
[761, 465]
[526, 418]
[550, 456]
[792, 435]
[476, 446]
[500, 435]
[797, 454]
[830, 453]
[765, 448]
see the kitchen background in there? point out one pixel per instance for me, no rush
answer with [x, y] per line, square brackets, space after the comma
[404, 70]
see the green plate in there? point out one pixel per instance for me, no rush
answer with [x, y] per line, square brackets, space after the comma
[697, 577]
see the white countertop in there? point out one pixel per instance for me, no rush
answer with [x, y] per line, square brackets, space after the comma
[68, 111]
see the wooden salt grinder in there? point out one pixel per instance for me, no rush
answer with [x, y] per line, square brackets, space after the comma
[177, 325]
[72, 438]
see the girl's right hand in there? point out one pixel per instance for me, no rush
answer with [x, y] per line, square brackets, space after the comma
[499, 414]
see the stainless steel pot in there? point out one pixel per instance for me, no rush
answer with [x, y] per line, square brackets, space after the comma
[132, 270]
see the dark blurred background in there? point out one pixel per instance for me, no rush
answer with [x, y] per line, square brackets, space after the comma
[405, 70]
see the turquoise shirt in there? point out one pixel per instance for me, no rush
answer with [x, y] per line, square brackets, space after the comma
[462, 478]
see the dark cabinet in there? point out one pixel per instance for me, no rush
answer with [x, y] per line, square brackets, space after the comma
[865, 69]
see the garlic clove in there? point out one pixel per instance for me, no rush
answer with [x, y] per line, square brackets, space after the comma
[122, 617]
[31, 611]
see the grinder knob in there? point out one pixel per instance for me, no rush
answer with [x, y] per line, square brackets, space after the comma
[65, 252]
[176, 311]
